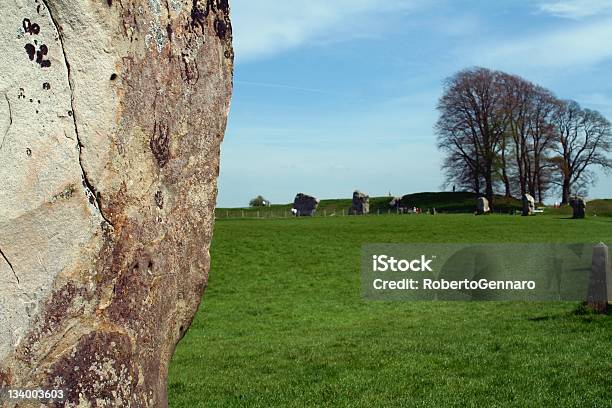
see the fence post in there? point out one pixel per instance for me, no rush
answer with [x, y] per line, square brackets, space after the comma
[600, 282]
[242, 213]
[343, 212]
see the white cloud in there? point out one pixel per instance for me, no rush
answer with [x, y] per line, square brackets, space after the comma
[573, 46]
[576, 9]
[267, 27]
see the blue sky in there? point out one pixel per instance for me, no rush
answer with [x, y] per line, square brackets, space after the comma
[336, 95]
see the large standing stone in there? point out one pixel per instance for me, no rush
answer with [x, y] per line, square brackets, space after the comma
[578, 206]
[482, 206]
[361, 204]
[600, 283]
[305, 205]
[528, 205]
[111, 117]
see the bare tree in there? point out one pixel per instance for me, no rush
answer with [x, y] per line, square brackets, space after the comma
[470, 127]
[541, 138]
[517, 108]
[500, 131]
[583, 141]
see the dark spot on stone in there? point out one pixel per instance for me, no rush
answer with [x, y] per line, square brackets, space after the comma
[198, 15]
[46, 86]
[30, 28]
[223, 6]
[220, 29]
[38, 9]
[40, 55]
[189, 69]
[109, 2]
[169, 31]
[31, 100]
[92, 200]
[69, 113]
[30, 50]
[159, 199]
[113, 77]
[136, 266]
[29, 152]
[5, 378]
[160, 143]
[150, 265]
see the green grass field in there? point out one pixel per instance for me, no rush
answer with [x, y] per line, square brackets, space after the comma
[283, 324]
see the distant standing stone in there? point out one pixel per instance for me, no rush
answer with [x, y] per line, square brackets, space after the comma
[600, 283]
[395, 203]
[361, 203]
[305, 205]
[579, 206]
[482, 206]
[528, 205]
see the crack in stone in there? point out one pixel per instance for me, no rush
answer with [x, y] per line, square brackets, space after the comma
[10, 266]
[87, 184]
[10, 120]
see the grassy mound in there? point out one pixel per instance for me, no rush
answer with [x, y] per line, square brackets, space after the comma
[459, 202]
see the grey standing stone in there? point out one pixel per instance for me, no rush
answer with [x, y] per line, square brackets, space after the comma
[600, 283]
[482, 206]
[305, 205]
[579, 207]
[528, 205]
[361, 204]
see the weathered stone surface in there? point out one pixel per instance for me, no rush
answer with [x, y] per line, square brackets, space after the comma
[305, 205]
[578, 206]
[600, 282]
[111, 117]
[482, 206]
[361, 203]
[528, 205]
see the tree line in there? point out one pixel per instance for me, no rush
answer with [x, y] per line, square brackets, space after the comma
[503, 134]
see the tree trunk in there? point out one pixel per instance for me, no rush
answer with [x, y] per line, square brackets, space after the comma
[565, 189]
[489, 185]
[108, 174]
